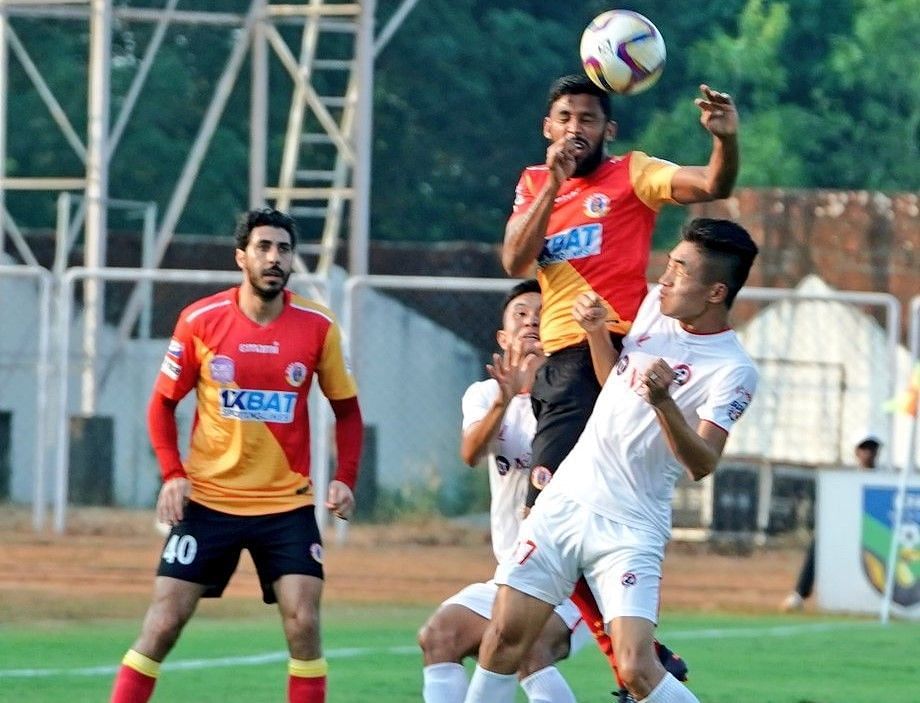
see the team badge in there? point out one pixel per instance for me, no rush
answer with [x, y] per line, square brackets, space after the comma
[222, 369]
[295, 374]
[597, 205]
[622, 364]
[628, 579]
[540, 477]
[681, 374]
[502, 464]
[316, 551]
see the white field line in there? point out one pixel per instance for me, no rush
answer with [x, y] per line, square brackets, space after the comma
[345, 653]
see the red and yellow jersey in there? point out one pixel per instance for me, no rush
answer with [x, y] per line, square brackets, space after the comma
[250, 443]
[598, 239]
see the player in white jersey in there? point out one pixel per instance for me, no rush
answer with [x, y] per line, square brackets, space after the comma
[498, 422]
[673, 394]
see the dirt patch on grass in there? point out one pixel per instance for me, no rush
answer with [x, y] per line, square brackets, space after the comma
[104, 565]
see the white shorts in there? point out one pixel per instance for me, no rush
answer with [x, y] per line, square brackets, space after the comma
[562, 540]
[480, 597]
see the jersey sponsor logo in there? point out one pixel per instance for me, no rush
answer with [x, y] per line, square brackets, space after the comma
[622, 364]
[316, 551]
[681, 374]
[502, 465]
[295, 374]
[175, 348]
[170, 368]
[597, 205]
[252, 348]
[737, 406]
[575, 243]
[628, 579]
[518, 196]
[257, 406]
[222, 369]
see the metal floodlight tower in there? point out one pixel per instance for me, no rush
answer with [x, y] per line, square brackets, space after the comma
[332, 128]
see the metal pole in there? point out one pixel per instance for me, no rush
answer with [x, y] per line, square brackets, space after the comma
[147, 262]
[4, 65]
[96, 189]
[360, 204]
[258, 113]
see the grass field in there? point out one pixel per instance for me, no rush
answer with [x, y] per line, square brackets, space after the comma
[373, 657]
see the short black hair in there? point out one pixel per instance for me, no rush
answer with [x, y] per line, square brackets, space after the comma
[729, 250]
[529, 286]
[263, 217]
[577, 84]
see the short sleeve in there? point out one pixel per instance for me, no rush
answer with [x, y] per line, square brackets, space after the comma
[651, 179]
[523, 194]
[729, 396]
[333, 373]
[476, 402]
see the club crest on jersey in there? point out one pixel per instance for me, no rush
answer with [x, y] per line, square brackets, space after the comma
[295, 374]
[540, 477]
[628, 579]
[597, 205]
[257, 405]
[622, 364]
[681, 374]
[222, 369]
[575, 243]
[502, 465]
[316, 551]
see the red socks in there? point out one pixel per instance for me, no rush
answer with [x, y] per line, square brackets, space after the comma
[135, 679]
[307, 681]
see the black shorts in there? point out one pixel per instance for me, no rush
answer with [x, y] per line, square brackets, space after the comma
[563, 397]
[205, 547]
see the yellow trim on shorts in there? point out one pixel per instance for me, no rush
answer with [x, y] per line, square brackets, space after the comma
[141, 664]
[312, 669]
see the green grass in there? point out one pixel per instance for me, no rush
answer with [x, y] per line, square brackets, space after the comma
[733, 659]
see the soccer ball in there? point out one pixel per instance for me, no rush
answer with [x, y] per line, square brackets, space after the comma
[622, 52]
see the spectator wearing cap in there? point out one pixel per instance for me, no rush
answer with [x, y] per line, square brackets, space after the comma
[865, 450]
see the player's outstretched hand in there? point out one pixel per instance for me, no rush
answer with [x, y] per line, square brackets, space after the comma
[717, 112]
[340, 500]
[172, 499]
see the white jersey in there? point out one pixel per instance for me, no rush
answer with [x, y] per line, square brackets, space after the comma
[622, 466]
[509, 459]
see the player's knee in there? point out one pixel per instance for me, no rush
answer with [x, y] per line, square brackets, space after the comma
[439, 641]
[161, 630]
[302, 624]
[637, 672]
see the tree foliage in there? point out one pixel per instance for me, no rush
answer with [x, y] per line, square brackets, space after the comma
[829, 96]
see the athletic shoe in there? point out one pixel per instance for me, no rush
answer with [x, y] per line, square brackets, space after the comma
[792, 602]
[673, 663]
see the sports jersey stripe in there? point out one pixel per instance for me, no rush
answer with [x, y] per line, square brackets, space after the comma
[327, 318]
[192, 315]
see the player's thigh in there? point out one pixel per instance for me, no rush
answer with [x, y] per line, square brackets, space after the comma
[518, 618]
[203, 548]
[546, 560]
[623, 569]
[285, 544]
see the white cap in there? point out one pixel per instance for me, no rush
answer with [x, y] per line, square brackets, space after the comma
[861, 438]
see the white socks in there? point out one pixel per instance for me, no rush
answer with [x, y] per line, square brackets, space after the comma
[547, 686]
[444, 683]
[670, 690]
[489, 687]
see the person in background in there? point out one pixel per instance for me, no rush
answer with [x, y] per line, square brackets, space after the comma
[866, 454]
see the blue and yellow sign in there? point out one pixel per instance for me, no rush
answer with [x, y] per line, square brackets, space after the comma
[877, 528]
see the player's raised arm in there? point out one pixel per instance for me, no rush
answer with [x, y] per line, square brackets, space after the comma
[696, 184]
[591, 314]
